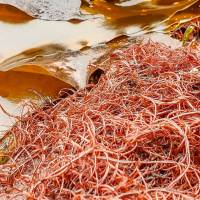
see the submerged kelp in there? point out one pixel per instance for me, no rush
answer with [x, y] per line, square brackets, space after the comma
[134, 135]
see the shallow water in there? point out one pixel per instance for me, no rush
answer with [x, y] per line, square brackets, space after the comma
[38, 57]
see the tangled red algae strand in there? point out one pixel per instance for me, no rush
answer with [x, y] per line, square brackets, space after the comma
[134, 135]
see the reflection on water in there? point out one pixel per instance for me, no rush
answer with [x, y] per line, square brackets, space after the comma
[33, 52]
[191, 12]
[17, 84]
[35, 33]
[73, 36]
[144, 13]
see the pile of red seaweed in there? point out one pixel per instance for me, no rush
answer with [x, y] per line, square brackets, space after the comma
[134, 135]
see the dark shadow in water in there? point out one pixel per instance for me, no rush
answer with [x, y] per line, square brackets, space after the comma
[95, 76]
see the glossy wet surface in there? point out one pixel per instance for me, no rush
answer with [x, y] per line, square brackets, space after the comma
[39, 57]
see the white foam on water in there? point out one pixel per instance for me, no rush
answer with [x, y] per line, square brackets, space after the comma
[48, 9]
